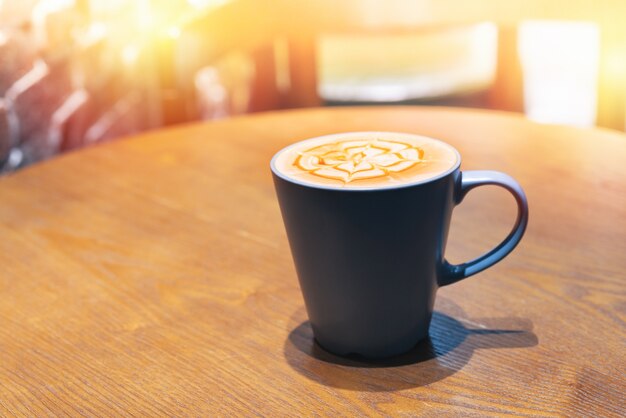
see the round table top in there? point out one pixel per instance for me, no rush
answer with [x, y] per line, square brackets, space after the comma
[151, 276]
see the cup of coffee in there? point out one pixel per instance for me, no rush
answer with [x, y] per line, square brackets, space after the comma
[367, 217]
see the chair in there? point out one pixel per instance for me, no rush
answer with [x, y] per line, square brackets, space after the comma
[297, 26]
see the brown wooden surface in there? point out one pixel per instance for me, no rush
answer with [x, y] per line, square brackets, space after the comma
[152, 277]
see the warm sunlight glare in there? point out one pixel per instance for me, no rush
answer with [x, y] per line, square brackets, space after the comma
[201, 4]
[560, 64]
[130, 54]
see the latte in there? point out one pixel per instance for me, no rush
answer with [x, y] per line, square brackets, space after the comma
[359, 160]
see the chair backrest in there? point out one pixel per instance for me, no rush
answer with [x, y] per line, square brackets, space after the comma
[247, 24]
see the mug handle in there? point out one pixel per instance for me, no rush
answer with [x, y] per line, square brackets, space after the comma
[452, 273]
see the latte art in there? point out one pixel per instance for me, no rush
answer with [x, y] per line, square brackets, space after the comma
[357, 160]
[365, 160]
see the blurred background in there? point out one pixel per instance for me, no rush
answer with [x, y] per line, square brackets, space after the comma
[79, 72]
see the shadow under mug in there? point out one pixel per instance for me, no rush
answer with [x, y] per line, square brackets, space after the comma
[369, 261]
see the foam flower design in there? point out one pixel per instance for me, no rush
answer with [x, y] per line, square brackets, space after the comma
[359, 159]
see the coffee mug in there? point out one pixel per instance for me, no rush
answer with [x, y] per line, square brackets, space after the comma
[367, 217]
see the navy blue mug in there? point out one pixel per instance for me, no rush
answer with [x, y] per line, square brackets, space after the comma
[370, 261]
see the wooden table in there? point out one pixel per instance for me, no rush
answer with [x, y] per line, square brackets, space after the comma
[152, 277]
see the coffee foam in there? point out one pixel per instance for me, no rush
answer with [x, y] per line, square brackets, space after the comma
[359, 160]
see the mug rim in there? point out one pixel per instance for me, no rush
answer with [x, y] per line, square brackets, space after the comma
[445, 173]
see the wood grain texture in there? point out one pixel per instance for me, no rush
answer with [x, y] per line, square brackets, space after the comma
[152, 277]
